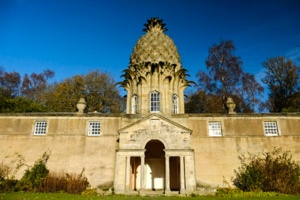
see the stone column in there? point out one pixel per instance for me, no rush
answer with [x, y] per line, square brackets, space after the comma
[142, 187]
[127, 184]
[182, 181]
[167, 175]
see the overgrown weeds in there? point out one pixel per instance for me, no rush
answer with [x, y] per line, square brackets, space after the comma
[70, 183]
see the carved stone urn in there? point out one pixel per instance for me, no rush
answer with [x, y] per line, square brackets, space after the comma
[81, 105]
[230, 105]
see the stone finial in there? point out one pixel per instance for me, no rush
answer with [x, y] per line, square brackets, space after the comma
[81, 105]
[230, 105]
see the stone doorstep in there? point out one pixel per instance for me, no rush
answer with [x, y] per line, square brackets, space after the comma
[206, 191]
[159, 193]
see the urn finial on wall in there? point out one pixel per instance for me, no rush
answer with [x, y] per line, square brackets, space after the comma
[230, 105]
[81, 105]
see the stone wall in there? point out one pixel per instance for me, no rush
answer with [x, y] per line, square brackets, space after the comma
[217, 157]
[66, 140]
[72, 150]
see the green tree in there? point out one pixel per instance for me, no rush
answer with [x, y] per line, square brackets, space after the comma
[63, 96]
[101, 93]
[293, 103]
[19, 105]
[200, 102]
[226, 78]
[97, 87]
[282, 79]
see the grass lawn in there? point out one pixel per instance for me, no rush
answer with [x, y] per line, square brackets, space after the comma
[49, 196]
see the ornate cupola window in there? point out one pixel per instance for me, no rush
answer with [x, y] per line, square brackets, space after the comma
[154, 101]
[155, 68]
[134, 102]
[175, 103]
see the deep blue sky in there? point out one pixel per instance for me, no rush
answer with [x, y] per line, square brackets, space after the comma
[74, 36]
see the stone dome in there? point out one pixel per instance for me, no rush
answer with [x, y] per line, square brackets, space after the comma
[155, 46]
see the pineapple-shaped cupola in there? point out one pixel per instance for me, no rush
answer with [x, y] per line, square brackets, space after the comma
[155, 81]
[155, 25]
[155, 46]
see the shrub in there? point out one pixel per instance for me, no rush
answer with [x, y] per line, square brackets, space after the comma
[90, 192]
[8, 185]
[38, 178]
[4, 170]
[32, 179]
[8, 171]
[273, 171]
[4, 181]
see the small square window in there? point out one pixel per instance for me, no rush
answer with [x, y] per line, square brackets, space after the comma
[271, 129]
[40, 128]
[215, 129]
[94, 128]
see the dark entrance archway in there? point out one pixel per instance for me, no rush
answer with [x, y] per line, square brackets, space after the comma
[155, 165]
[152, 176]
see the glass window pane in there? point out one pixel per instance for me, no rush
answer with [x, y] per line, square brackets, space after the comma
[215, 129]
[40, 128]
[154, 101]
[175, 103]
[271, 128]
[94, 128]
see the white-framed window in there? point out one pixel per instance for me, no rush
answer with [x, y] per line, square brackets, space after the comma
[155, 101]
[94, 129]
[271, 129]
[40, 128]
[134, 102]
[215, 129]
[175, 103]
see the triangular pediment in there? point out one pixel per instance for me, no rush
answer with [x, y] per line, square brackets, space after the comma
[155, 116]
[154, 127]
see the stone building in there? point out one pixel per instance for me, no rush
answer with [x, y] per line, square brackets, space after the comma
[154, 145]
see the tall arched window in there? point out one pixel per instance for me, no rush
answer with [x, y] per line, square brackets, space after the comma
[134, 103]
[154, 101]
[175, 103]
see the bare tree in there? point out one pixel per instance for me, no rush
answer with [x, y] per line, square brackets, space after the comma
[34, 85]
[226, 78]
[9, 84]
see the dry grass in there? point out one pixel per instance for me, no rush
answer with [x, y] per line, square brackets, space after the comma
[69, 183]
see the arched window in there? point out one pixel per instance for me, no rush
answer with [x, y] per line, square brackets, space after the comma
[134, 103]
[175, 103]
[154, 101]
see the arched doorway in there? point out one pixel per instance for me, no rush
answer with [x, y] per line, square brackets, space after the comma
[149, 171]
[154, 168]
[154, 165]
